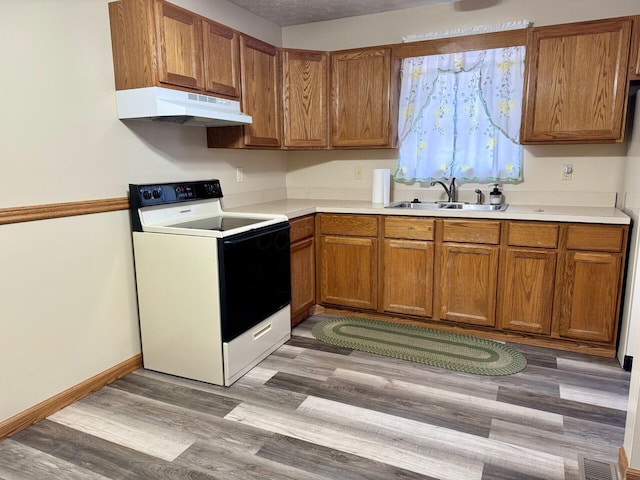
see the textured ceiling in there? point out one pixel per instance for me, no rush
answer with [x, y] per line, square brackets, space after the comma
[297, 12]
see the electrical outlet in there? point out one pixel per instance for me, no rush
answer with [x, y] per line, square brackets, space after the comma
[357, 173]
[566, 173]
[239, 175]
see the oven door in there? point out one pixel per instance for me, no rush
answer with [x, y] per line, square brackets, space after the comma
[255, 277]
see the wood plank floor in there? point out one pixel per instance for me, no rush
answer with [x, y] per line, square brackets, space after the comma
[312, 411]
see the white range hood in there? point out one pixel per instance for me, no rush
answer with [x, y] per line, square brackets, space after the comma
[159, 104]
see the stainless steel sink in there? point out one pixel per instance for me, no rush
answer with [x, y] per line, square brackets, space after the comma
[475, 207]
[448, 206]
[416, 205]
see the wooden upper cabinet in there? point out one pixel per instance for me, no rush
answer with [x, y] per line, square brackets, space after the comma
[156, 43]
[221, 59]
[305, 99]
[133, 43]
[260, 75]
[576, 85]
[180, 54]
[361, 96]
[634, 61]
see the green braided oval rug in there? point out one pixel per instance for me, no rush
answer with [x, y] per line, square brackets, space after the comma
[462, 353]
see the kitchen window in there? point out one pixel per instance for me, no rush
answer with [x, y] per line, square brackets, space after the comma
[460, 116]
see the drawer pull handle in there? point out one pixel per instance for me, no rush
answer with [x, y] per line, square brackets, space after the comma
[261, 332]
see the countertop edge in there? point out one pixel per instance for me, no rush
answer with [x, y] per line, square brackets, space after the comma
[294, 208]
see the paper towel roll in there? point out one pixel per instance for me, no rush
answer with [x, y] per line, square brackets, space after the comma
[381, 185]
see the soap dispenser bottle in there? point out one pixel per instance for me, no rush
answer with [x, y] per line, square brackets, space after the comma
[495, 197]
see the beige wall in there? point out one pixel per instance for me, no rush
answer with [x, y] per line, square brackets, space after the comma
[598, 169]
[389, 27]
[598, 175]
[235, 17]
[629, 344]
[629, 201]
[67, 296]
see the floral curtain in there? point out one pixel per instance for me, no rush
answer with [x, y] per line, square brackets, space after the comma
[460, 116]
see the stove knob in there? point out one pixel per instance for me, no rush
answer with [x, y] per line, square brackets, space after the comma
[209, 188]
[146, 194]
[156, 194]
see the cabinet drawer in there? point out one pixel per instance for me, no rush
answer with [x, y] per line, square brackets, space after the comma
[533, 235]
[358, 225]
[302, 227]
[410, 228]
[471, 231]
[597, 238]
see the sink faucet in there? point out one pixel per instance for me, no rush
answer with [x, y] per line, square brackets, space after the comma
[450, 190]
[478, 196]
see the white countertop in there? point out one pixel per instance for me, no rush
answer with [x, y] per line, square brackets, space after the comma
[293, 208]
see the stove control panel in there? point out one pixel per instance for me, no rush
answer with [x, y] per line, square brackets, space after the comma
[166, 193]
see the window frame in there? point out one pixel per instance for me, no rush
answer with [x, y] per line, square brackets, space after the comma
[466, 43]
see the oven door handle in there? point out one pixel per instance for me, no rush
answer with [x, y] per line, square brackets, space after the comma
[263, 331]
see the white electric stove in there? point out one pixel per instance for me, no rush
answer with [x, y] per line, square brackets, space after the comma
[213, 287]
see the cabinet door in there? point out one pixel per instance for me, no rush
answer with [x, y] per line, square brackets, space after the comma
[527, 290]
[360, 97]
[303, 278]
[408, 277]
[577, 82]
[469, 278]
[587, 296]
[348, 271]
[305, 99]
[260, 92]
[179, 46]
[634, 61]
[221, 59]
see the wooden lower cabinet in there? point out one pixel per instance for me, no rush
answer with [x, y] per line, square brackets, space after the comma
[303, 278]
[587, 296]
[303, 267]
[408, 277]
[526, 290]
[348, 260]
[348, 271]
[548, 283]
[469, 279]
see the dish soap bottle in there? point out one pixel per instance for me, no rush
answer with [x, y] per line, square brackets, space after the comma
[495, 197]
